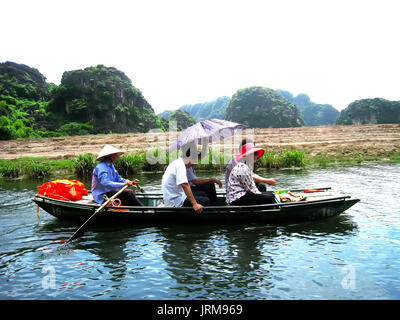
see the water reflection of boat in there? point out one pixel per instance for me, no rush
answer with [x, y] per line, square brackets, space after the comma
[317, 206]
[239, 261]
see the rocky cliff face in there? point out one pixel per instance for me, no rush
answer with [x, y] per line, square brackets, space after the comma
[370, 111]
[23, 82]
[105, 98]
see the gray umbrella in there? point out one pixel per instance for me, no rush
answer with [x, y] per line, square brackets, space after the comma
[206, 131]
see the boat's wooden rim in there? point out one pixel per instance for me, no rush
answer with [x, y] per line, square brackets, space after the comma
[209, 208]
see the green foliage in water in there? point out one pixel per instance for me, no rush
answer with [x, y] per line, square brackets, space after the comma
[28, 167]
[288, 158]
[129, 164]
[293, 158]
[10, 169]
[37, 170]
[84, 165]
[395, 157]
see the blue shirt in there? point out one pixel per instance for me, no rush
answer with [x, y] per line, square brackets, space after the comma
[191, 175]
[105, 179]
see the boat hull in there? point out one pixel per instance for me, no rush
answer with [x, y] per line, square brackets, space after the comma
[275, 213]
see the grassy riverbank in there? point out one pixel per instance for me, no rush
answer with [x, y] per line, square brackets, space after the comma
[147, 161]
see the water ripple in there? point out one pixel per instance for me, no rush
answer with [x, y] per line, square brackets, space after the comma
[291, 261]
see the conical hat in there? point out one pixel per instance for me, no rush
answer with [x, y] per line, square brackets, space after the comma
[107, 151]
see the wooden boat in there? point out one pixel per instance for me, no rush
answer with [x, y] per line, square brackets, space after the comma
[317, 206]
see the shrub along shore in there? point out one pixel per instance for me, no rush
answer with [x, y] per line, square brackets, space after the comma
[133, 164]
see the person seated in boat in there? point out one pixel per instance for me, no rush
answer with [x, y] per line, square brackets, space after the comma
[107, 181]
[176, 188]
[260, 181]
[242, 189]
[204, 186]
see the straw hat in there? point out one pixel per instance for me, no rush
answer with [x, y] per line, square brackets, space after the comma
[108, 150]
[248, 149]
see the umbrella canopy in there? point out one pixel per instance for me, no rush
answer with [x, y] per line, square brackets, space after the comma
[206, 131]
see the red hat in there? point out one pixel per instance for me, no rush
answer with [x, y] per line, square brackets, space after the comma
[248, 149]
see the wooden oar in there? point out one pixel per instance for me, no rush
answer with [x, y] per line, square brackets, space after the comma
[83, 228]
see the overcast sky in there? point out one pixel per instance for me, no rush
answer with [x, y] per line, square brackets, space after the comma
[181, 52]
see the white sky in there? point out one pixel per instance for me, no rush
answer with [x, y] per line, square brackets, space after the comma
[181, 52]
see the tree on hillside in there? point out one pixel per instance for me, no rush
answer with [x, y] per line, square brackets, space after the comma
[166, 114]
[370, 111]
[24, 96]
[183, 119]
[208, 110]
[22, 82]
[259, 107]
[314, 114]
[105, 98]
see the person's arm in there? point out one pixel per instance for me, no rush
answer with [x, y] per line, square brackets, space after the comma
[104, 179]
[128, 182]
[188, 191]
[259, 179]
[202, 181]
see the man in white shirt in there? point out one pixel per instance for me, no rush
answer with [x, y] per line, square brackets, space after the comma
[204, 186]
[175, 186]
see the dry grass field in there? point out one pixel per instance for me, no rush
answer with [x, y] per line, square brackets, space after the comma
[365, 140]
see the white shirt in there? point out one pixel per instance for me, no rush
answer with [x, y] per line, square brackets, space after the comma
[173, 177]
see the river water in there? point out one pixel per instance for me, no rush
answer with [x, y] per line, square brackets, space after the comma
[353, 256]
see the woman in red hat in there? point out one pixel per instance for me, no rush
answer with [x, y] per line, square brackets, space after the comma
[241, 188]
[260, 181]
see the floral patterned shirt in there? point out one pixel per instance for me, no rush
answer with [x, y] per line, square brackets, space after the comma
[240, 181]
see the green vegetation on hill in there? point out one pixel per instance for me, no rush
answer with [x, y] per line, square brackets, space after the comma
[202, 111]
[22, 118]
[314, 114]
[166, 114]
[103, 97]
[23, 82]
[183, 119]
[24, 96]
[94, 100]
[259, 107]
[209, 110]
[370, 111]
